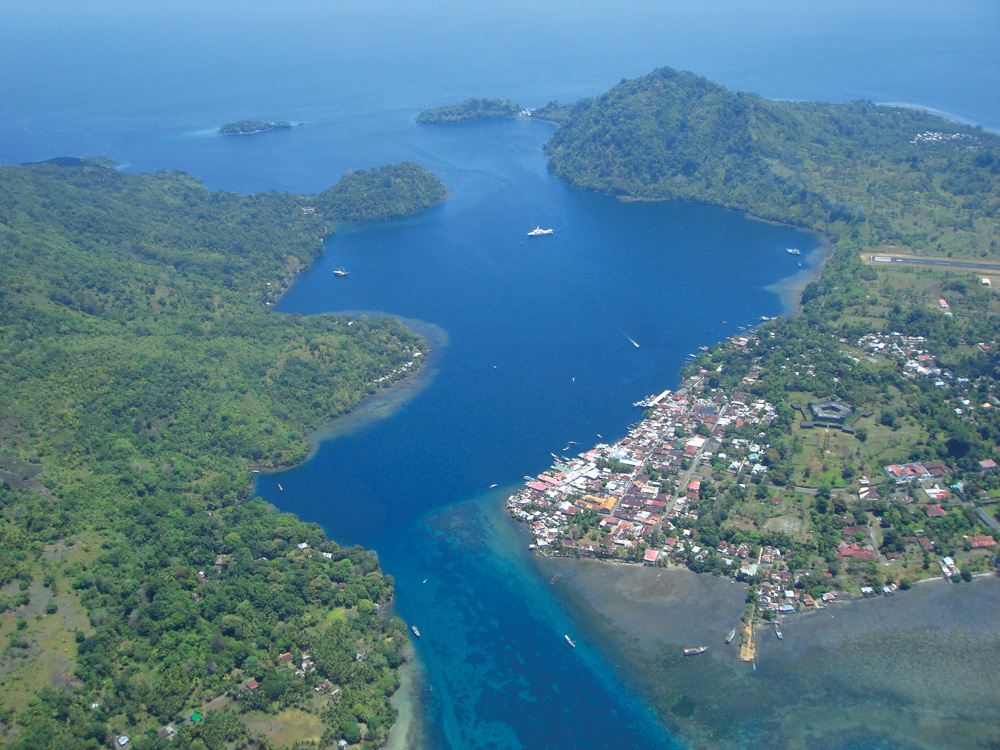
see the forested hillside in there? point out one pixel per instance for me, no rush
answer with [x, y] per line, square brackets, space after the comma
[904, 337]
[675, 135]
[469, 111]
[142, 377]
[381, 193]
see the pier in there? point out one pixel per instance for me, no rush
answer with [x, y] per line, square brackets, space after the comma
[658, 399]
[748, 651]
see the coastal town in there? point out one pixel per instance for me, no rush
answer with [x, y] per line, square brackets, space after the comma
[705, 480]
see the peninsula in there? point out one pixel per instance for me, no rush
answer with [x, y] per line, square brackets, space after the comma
[849, 450]
[143, 375]
[247, 127]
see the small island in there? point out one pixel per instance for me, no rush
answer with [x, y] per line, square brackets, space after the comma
[387, 192]
[246, 127]
[471, 110]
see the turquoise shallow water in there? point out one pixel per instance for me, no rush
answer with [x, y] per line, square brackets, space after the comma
[535, 336]
[865, 674]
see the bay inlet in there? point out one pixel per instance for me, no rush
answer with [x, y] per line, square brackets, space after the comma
[540, 350]
[541, 353]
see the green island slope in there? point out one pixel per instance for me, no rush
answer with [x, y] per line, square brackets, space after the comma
[143, 377]
[674, 135]
[382, 193]
[470, 110]
[247, 127]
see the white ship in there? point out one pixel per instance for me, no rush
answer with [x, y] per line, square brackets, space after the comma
[793, 251]
[538, 231]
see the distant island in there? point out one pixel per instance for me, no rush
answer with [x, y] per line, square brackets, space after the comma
[246, 127]
[471, 110]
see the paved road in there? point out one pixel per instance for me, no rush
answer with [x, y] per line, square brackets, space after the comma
[934, 558]
[932, 262]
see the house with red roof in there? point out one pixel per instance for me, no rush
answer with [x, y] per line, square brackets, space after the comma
[982, 542]
[853, 552]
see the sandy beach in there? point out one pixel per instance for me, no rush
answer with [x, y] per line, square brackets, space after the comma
[790, 288]
[915, 670]
[409, 731]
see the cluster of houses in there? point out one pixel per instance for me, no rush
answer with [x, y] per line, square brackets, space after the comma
[783, 599]
[644, 491]
[644, 484]
[916, 361]
[910, 352]
[934, 136]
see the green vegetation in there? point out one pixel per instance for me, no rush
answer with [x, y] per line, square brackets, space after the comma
[470, 110]
[948, 417]
[143, 377]
[915, 178]
[923, 378]
[381, 193]
[245, 127]
[556, 112]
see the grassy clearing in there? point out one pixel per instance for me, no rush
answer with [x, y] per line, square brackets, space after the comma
[42, 653]
[287, 728]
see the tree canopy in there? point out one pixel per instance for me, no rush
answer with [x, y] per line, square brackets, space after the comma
[143, 376]
[386, 192]
[470, 110]
[245, 127]
[676, 135]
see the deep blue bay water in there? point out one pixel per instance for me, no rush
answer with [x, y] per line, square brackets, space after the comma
[534, 348]
[539, 356]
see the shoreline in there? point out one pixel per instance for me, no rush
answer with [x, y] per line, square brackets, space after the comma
[336, 224]
[791, 288]
[408, 731]
[622, 481]
[383, 403]
[903, 652]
